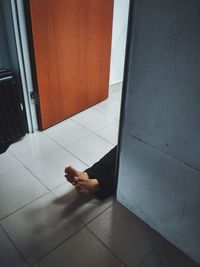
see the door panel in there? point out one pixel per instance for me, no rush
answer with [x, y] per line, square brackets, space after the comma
[72, 43]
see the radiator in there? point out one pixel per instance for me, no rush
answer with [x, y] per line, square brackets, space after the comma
[12, 122]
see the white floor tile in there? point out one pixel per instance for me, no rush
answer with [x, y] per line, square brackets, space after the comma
[125, 234]
[17, 189]
[93, 119]
[50, 168]
[115, 92]
[110, 133]
[66, 132]
[82, 250]
[38, 221]
[9, 256]
[116, 87]
[110, 107]
[33, 146]
[116, 96]
[40, 227]
[43, 222]
[8, 163]
[90, 149]
[86, 209]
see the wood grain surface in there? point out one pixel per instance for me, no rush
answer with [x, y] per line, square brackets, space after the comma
[72, 44]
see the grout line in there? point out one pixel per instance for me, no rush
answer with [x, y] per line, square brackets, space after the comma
[92, 131]
[100, 213]
[87, 165]
[47, 154]
[106, 139]
[14, 245]
[51, 190]
[95, 133]
[116, 256]
[79, 139]
[13, 170]
[37, 178]
[62, 146]
[116, 118]
[24, 206]
[34, 159]
[51, 250]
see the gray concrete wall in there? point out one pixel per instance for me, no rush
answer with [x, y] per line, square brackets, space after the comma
[159, 170]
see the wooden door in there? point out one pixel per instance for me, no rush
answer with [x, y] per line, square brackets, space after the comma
[72, 43]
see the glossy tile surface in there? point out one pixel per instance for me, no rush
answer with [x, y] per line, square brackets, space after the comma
[32, 146]
[40, 227]
[110, 134]
[66, 132]
[60, 228]
[36, 221]
[81, 250]
[110, 107]
[86, 209]
[93, 119]
[18, 188]
[8, 163]
[50, 168]
[124, 234]
[9, 256]
[90, 149]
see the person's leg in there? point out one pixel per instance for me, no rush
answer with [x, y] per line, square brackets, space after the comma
[105, 172]
[83, 184]
[98, 179]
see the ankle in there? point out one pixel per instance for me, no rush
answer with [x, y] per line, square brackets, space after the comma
[95, 184]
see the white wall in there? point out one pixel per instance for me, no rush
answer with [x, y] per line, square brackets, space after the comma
[120, 19]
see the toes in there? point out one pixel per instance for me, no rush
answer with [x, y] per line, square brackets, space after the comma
[69, 178]
[72, 170]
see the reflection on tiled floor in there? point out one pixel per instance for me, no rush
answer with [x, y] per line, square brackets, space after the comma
[44, 222]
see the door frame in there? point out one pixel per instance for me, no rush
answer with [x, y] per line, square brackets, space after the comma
[18, 13]
[17, 7]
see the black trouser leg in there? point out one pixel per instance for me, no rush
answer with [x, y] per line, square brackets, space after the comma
[105, 172]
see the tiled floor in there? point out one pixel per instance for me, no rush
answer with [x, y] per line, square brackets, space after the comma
[43, 222]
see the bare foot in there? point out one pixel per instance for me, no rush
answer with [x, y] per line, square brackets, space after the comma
[81, 181]
[86, 186]
[71, 173]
